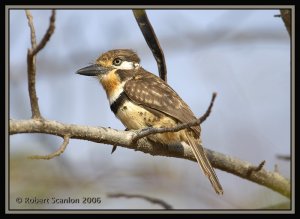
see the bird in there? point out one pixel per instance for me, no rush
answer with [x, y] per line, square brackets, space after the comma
[140, 99]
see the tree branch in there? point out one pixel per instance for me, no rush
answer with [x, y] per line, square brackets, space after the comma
[152, 41]
[47, 35]
[149, 199]
[56, 153]
[31, 61]
[32, 30]
[110, 136]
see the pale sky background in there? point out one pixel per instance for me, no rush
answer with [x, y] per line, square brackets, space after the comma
[243, 55]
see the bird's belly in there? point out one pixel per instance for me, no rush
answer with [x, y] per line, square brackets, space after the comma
[136, 117]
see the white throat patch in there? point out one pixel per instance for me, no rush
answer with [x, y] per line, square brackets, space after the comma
[116, 93]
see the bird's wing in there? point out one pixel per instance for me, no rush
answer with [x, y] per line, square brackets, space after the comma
[150, 91]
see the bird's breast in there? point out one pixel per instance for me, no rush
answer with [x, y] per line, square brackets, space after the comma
[134, 116]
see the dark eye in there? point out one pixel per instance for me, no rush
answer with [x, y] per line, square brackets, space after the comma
[117, 61]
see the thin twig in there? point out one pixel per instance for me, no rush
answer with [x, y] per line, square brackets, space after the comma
[149, 199]
[56, 153]
[32, 30]
[151, 130]
[31, 71]
[47, 35]
[31, 61]
[152, 41]
[252, 169]
[208, 111]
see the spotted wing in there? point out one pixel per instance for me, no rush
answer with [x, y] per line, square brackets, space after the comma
[150, 91]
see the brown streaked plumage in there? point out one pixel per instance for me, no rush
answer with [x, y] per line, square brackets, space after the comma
[140, 99]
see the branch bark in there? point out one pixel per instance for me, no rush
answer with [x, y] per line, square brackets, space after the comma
[60, 150]
[31, 60]
[271, 180]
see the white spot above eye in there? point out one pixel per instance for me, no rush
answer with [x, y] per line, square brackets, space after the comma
[127, 65]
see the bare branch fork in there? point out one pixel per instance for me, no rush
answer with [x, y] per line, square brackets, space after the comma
[132, 139]
[31, 70]
[31, 60]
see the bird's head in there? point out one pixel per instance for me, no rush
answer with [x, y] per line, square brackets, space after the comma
[113, 69]
[123, 59]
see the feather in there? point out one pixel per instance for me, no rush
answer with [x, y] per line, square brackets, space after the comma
[204, 163]
[150, 91]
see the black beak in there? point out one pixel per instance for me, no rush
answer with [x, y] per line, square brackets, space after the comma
[92, 70]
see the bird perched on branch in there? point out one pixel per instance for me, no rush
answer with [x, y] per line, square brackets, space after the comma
[140, 99]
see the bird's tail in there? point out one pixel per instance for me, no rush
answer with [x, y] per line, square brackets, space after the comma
[205, 164]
